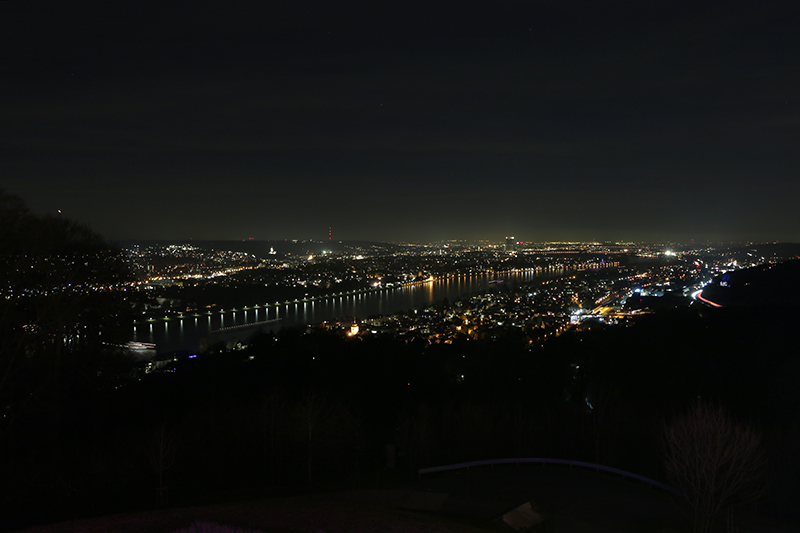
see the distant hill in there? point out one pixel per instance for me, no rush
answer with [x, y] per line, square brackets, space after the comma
[774, 285]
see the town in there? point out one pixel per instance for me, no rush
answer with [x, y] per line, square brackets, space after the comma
[557, 285]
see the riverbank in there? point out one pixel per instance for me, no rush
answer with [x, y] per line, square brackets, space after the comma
[185, 331]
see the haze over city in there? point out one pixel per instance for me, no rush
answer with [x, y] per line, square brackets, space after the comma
[547, 121]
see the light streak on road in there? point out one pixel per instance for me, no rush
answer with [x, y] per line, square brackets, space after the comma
[699, 296]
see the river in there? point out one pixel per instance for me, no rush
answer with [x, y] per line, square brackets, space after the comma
[187, 331]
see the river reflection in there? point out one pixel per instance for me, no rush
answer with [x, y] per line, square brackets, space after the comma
[187, 331]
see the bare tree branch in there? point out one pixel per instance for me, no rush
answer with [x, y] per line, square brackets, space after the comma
[715, 462]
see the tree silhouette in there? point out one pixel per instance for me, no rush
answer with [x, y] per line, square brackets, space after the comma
[319, 421]
[273, 408]
[416, 436]
[161, 452]
[58, 308]
[714, 462]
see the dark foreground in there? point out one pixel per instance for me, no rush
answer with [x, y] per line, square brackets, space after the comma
[472, 500]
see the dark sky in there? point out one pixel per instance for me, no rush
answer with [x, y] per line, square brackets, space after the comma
[562, 120]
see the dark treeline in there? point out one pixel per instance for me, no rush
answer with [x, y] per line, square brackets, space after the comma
[316, 410]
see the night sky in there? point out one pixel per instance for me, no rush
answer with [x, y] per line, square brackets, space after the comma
[562, 120]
